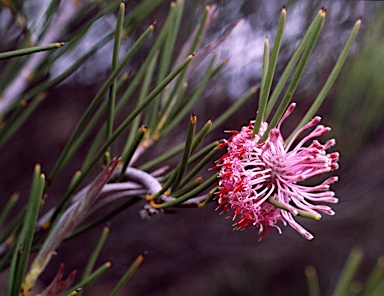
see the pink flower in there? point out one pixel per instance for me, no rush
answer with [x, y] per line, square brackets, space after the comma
[253, 172]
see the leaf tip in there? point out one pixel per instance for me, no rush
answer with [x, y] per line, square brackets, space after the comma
[254, 89]
[193, 117]
[37, 167]
[323, 11]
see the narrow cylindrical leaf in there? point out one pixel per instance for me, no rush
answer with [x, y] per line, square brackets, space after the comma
[115, 60]
[83, 283]
[97, 98]
[313, 281]
[299, 71]
[8, 207]
[14, 126]
[127, 155]
[348, 273]
[201, 135]
[331, 79]
[205, 185]
[299, 212]
[200, 31]
[95, 254]
[291, 65]
[187, 152]
[233, 108]
[175, 118]
[374, 278]
[267, 80]
[206, 149]
[25, 238]
[25, 51]
[188, 187]
[200, 165]
[263, 93]
[76, 175]
[161, 158]
[105, 218]
[87, 167]
[128, 274]
[211, 196]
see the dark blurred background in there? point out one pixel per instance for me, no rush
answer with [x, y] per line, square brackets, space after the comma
[195, 251]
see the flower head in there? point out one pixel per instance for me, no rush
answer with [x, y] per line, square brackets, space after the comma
[253, 173]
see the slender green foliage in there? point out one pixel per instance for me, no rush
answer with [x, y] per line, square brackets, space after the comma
[318, 23]
[8, 207]
[95, 254]
[84, 282]
[26, 51]
[313, 281]
[268, 73]
[24, 241]
[331, 79]
[187, 152]
[348, 273]
[128, 274]
[115, 60]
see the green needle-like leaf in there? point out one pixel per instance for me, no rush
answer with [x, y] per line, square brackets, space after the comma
[348, 273]
[206, 149]
[193, 193]
[25, 51]
[187, 152]
[299, 71]
[24, 240]
[175, 118]
[105, 218]
[13, 227]
[198, 155]
[47, 84]
[211, 196]
[301, 213]
[87, 167]
[233, 108]
[95, 254]
[115, 60]
[201, 135]
[263, 92]
[184, 189]
[12, 127]
[291, 65]
[200, 165]
[128, 274]
[161, 158]
[267, 80]
[143, 93]
[200, 31]
[330, 81]
[167, 52]
[88, 279]
[127, 155]
[8, 208]
[313, 281]
[374, 278]
[97, 99]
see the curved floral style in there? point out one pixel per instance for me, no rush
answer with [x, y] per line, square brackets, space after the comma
[251, 172]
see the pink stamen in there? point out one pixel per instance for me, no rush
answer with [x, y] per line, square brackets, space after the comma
[252, 172]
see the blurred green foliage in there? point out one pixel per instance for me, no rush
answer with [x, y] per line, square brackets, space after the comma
[358, 110]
